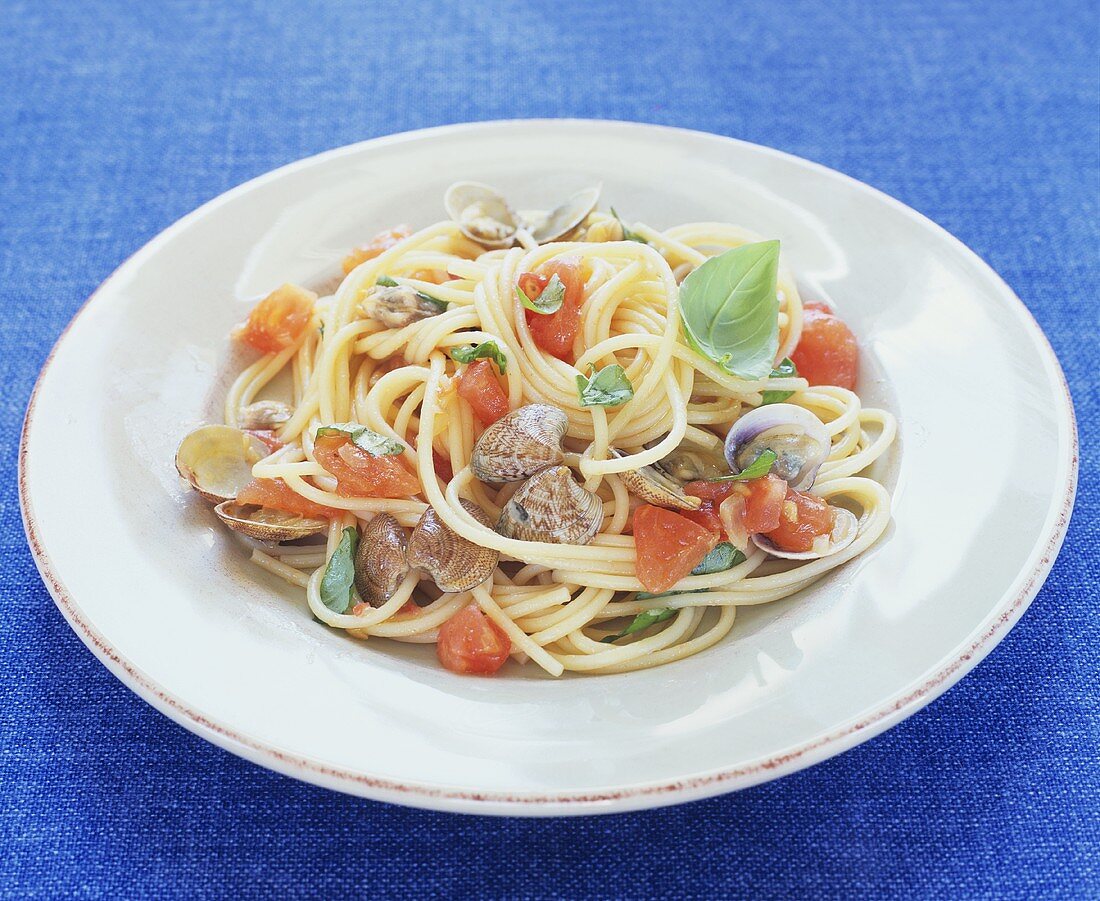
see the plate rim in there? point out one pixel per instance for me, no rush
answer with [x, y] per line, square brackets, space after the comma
[952, 667]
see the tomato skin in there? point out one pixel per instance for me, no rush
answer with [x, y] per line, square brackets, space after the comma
[827, 352]
[277, 495]
[480, 388]
[376, 246]
[804, 518]
[556, 332]
[669, 546]
[358, 474]
[278, 320]
[472, 644]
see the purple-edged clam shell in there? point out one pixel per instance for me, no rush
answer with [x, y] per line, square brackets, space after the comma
[798, 438]
[844, 533]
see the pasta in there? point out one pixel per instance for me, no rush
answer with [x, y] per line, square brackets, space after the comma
[356, 369]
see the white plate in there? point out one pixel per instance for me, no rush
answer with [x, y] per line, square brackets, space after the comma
[983, 486]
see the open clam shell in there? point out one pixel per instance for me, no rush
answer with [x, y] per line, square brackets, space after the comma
[217, 460]
[797, 437]
[563, 219]
[482, 214]
[654, 486]
[266, 524]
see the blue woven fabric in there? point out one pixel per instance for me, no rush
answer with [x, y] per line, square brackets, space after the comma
[116, 119]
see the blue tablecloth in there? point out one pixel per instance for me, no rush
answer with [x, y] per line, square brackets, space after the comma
[119, 118]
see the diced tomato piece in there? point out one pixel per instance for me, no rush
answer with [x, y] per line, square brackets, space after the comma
[744, 508]
[278, 495]
[555, 332]
[804, 518]
[268, 437]
[471, 643]
[278, 320]
[706, 516]
[480, 388]
[669, 546]
[377, 245]
[827, 353]
[764, 503]
[359, 474]
[409, 608]
[532, 284]
[442, 466]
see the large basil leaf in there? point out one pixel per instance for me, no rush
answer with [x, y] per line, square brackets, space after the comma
[730, 310]
[340, 573]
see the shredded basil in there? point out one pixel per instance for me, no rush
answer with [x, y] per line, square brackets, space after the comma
[628, 235]
[340, 573]
[607, 388]
[486, 349]
[724, 556]
[785, 370]
[730, 310]
[384, 281]
[643, 620]
[761, 466]
[374, 444]
[549, 301]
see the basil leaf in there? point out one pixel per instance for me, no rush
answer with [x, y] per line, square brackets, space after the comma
[730, 310]
[785, 370]
[724, 556]
[761, 466]
[374, 444]
[384, 281]
[549, 301]
[486, 349]
[628, 235]
[607, 388]
[340, 573]
[642, 621]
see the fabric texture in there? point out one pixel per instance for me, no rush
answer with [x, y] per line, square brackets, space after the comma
[118, 118]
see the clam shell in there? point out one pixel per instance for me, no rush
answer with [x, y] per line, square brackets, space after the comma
[482, 213]
[380, 563]
[561, 220]
[552, 507]
[264, 414]
[520, 444]
[217, 460]
[266, 524]
[655, 487]
[845, 530]
[799, 438]
[454, 563]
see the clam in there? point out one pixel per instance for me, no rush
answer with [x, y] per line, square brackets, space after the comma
[690, 464]
[454, 563]
[552, 507]
[396, 307]
[654, 486]
[380, 562]
[845, 529]
[267, 524]
[795, 435]
[264, 414]
[561, 220]
[217, 460]
[520, 444]
[482, 214]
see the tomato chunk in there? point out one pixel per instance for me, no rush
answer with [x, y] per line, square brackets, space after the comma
[471, 643]
[268, 437]
[556, 332]
[669, 546]
[278, 495]
[442, 466]
[743, 508]
[359, 474]
[377, 245]
[764, 503]
[278, 320]
[804, 518]
[827, 352]
[480, 388]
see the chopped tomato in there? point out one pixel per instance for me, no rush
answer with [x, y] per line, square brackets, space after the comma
[268, 437]
[278, 320]
[532, 284]
[669, 546]
[743, 508]
[442, 466]
[377, 245]
[471, 643]
[706, 516]
[827, 352]
[804, 518]
[480, 388]
[555, 332]
[764, 502]
[278, 495]
[359, 474]
[409, 608]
